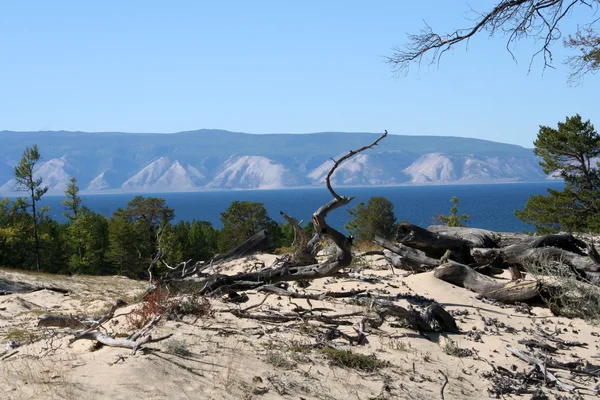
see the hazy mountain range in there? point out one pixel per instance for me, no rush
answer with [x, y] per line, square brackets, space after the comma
[216, 159]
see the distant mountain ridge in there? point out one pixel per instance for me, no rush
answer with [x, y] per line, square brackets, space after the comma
[216, 159]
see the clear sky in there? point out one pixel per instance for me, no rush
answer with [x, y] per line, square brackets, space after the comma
[269, 67]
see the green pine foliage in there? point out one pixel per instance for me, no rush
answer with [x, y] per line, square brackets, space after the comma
[570, 152]
[241, 221]
[26, 181]
[454, 218]
[376, 218]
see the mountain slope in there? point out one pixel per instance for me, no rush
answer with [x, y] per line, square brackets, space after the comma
[253, 172]
[215, 159]
[55, 173]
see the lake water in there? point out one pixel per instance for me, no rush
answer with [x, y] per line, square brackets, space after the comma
[491, 206]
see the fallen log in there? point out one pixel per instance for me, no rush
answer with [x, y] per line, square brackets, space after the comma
[474, 236]
[521, 254]
[406, 258]
[464, 276]
[126, 343]
[434, 245]
[261, 241]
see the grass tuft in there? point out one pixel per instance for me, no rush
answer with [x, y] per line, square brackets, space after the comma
[351, 360]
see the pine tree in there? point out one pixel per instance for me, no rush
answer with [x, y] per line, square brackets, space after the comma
[24, 177]
[376, 218]
[453, 219]
[570, 152]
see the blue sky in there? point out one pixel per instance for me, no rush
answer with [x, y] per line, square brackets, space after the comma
[269, 67]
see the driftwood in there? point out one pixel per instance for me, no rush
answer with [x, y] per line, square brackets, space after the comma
[126, 343]
[528, 358]
[464, 276]
[434, 318]
[134, 341]
[524, 253]
[342, 259]
[434, 245]
[306, 251]
[474, 236]
[257, 243]
[406, 258]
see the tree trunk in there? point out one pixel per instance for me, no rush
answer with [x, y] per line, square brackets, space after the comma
[464, 276]
[525, 253]
[257, 243]
[475, 237]
[35, 231]
[433, 244]
[406, 258]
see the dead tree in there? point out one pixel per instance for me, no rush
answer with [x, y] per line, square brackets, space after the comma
[306, 251]
[342, 259]
[434, 245]
[561, 248]
[406, 258]
[474, 236]
[508, 292]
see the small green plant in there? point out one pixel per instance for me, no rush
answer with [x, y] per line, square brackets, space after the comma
[177, 347]
[279, 359]
[451, 348]
[349, 359]
[197, 306]
[20, 335]
[399, 345]
[454, 219]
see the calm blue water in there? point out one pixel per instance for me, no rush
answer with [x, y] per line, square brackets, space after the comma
[491, 206]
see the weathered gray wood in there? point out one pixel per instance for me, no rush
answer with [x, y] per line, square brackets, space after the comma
[464, 276]
[304, 254]
[126, 343]
[528, 358]
[523, 254]
[414, 262]
[406, 258]
[474, 236]
[433, 244]
[261, 241]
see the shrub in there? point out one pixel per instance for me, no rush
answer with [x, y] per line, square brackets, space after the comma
[453, 219]
[177, 347]
[376, 218]
[348, 359]
[565, 292]
[156, 303]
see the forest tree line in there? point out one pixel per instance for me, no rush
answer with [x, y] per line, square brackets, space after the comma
[128, 241]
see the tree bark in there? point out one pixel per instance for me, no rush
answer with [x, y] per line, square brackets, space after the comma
[305, 252]
[524, 253]
[475, 237]
[433, 244]
[261, 241]
[464, 276]
[406, 258]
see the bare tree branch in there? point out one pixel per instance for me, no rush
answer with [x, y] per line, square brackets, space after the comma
[516, 19]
